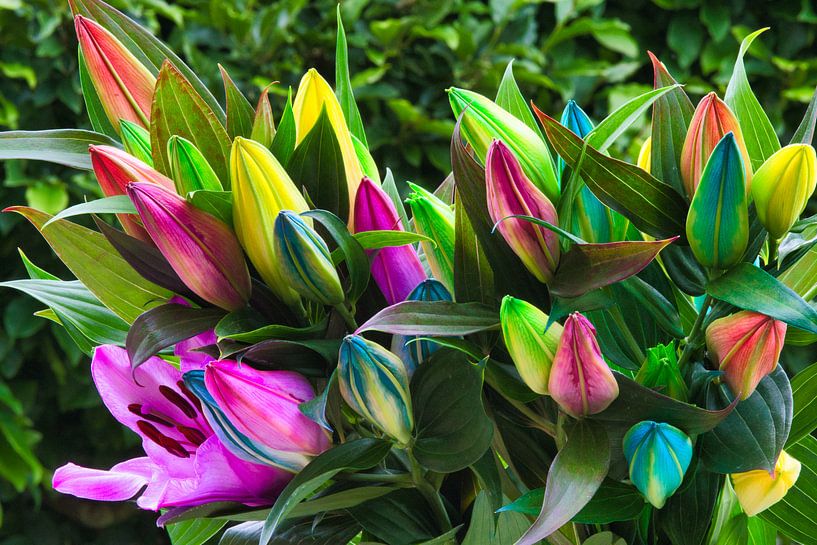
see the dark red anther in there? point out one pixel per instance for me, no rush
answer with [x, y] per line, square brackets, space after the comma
[192, 434]
[189, 395]
[136, 409]
[174, 397]
[168, 443]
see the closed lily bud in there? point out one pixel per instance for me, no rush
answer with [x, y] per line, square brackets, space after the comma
[414, 352]
[580, 380]
[757, 490]
[644, 161]
[484, 121]
[375, 384]
[435, 219]
[531, 344]
[313, 95]
[114, 170]
[305, 260]
[510, 192]
[575, 119]
[782, 186]
[711, 122]
[746, 345]
[263, 125]
[188, 167]
[201, 249]
[136, 140]
[263, 405]
[658, 456]
[396, 270]
[261, 189]
[717, 224]
[660, 372]
[124, 85]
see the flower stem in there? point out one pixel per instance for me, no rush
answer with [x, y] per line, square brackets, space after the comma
[693, 339]
[347, 315]
[429, 493]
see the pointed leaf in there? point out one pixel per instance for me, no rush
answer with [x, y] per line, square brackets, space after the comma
[240, 113]
[473, 278]
[758, 132]
[590, 266]
[574, 477]
[509, 97]
[805, 131]
[670, 119]
[67, 147]
[688, 513]
[357, 262]
[283, 144]
[98, 266]
[93, 106]
[432, 318]
[804, 393]
[179, 110]
[751, 288]
[118, 204]
[343, 86]
[653, 206]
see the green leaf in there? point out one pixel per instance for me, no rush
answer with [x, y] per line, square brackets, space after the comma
[343, 86]
[758, 132]
[164, 326]
[240, 113]
[452, 430]
[805, 131]
[651, 205]
[96, 113]
[98, 266]
[391, 190]
[482, 528]
[330, 529]
[246, 326]
[509, 97]
[753, 434]
[356, 455]
[178, 110]
[194, 532]
[670, 118]
[804, 394]
[118, 204]
[433, 318]
[614, 125]
[796, 514]
[374, 240]
[401, 517]
[473, 277]
[317, 166]
[151, 51]
[591, 266]
[283, 144]
[67, 147]
[688, 513]
[654, 303]
[339, 500]
[751, 288]
[573, 478]
[215, 203]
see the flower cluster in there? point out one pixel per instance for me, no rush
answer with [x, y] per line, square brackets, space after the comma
[279, 325]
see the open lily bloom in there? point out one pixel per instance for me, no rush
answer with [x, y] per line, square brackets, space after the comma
[185, 465]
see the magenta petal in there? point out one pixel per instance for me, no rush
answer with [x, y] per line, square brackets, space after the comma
[189, 358]
[248, 397]
[396, 270]
[120, 483]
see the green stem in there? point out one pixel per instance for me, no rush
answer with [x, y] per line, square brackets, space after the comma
[347, 315]
[405, 478]
[693, 339]
[429, 493]
[538, 421]
[632, 344]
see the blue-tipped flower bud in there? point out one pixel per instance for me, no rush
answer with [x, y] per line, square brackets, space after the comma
[305, 261]
[658, 455]
[410, 350]
[375, 384]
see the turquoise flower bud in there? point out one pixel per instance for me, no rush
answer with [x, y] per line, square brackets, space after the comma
[375, 384]
[410, 350]
[658, 456]
[305, 261]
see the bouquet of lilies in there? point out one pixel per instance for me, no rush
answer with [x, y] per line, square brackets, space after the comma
[554, 345]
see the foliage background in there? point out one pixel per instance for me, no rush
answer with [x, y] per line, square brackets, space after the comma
[404, 54]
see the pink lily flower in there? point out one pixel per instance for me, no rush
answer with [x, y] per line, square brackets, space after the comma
[185, 463]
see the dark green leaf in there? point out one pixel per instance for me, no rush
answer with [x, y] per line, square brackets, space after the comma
[354, 455]
[473, 278]
[246, 326]
[751, 288]
[164, 326]
[656, 305]
[433, 318]
[178, 110]
[651, 205]
[687, 515]
[328, 530]
[574, 477]
[317, 165]
[402, 517]
[684, 269]
[240, 113]
[283, 144]
[670, 118]
[67, 147]
[452, 430]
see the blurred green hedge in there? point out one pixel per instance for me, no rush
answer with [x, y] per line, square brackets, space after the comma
[404, 54]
